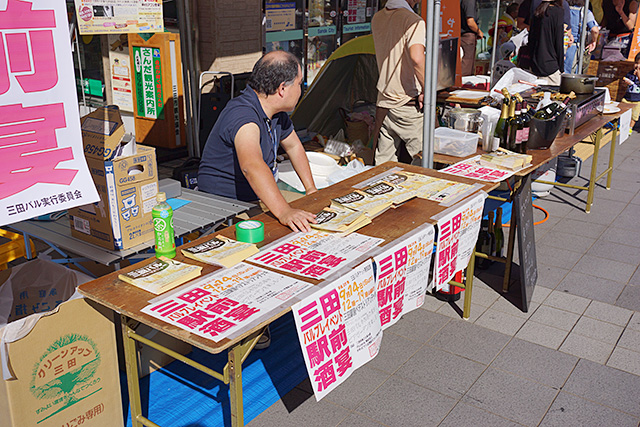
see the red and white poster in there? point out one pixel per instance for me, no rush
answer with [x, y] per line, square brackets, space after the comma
[457, 235]
[225, 302]
[339, 328]
[315, 254]
[476, 168]
[402, 274]
[42, 164]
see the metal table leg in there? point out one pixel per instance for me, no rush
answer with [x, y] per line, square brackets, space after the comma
[594, 170]
[612, 152]
[466, 309]
[133, 381]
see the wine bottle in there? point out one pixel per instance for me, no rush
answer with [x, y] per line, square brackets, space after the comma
[551, 110]
[484, 244]
[526, 125]
[499, 234]
[502, 122]
[510, 134]
[516, 131]
[492, 234]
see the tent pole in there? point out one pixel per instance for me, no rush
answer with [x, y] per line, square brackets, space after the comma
[583, 36]
[185, 40]
[432, 44]
[494, 49]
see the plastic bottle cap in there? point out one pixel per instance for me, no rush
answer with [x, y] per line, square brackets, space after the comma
[161, 197]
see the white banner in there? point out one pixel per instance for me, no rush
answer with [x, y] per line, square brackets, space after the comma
[457, 236]
[339, 328]
[222, 303]
[42, 165]
[402, 275]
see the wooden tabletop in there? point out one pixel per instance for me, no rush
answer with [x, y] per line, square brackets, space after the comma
[559, 146]
[129, 300]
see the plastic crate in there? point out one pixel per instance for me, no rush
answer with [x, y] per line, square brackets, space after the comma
[455, 142]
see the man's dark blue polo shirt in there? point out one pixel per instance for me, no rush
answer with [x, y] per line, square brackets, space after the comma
[220, 171]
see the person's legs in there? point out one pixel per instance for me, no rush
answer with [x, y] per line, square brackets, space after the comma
[635, 112]
[408, 125]
[468, 45]
[569, 58]
[388, 142]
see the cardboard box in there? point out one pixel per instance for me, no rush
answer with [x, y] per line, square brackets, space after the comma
[61, 367]
[126, 179]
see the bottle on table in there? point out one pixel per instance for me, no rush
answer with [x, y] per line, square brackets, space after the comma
[162, 215]
[509, 126]
[515, 130]
[551, 110]
[526, 125]
[498, 233]
[492, 234]
[502, 122]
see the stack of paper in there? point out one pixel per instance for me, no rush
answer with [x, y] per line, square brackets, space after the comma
[161, 275]
[362, 202]
[339, 220]
[221, 251]
[508, 159]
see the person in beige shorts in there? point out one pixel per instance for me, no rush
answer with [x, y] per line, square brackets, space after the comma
[398, 37]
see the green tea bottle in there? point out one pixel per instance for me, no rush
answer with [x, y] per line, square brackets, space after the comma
[163, 227]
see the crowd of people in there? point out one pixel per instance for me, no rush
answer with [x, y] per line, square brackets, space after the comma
[543, 36]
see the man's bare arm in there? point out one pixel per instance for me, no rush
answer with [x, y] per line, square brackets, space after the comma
[260, 177]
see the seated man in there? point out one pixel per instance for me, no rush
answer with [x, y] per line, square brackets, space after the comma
[239, 158]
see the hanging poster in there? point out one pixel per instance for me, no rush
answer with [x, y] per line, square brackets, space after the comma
[119, 16]
[339, 328]
[221, 304]
[148, 78]
[121, 79]
[280, 16]
[315, 254]
[42, 164]
[402, 274]
[457, 235]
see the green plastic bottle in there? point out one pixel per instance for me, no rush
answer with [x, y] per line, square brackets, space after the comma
[163, 227]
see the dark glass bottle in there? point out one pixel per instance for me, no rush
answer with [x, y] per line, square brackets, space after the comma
[502, 122]
[484, 245]
[551, 110]
[498, 233]
[526, 125]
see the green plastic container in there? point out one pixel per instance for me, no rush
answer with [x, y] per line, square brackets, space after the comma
[163, 227]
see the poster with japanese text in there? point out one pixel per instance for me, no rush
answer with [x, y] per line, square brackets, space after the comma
[315, 254]
[339, 328]
[119, 16]
[402, 274]
[121, 76]
[42, 165]
[457, 236]
[223, 303]
[476, 168]
[148, 82]
[280, 16]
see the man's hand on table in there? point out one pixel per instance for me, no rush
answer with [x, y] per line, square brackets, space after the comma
[297, 219]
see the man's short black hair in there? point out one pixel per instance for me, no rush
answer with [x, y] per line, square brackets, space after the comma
[512, 8]
[273, 69]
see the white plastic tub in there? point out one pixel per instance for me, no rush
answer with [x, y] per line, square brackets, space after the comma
[455, 142]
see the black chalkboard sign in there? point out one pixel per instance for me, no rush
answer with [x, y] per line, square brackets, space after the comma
[523, 208]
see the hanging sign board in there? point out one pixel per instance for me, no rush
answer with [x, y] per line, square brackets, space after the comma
[119, 16]
[523, 207]
[121, 78]
[280, 16]
[42, 164]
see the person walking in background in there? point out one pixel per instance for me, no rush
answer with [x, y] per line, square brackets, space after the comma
[398, 37]
[470, 33]
[546, 41]
[577, 13]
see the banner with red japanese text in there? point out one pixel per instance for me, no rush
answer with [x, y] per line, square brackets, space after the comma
[402, 274]
[339, 328]
[315, 254]
[42, 164]
[479, 169]
[225, 303]
[457, 235]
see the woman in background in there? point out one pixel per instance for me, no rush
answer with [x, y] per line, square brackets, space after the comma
[546, 41]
